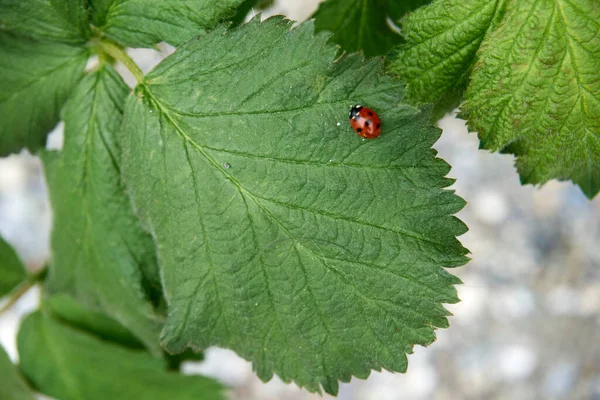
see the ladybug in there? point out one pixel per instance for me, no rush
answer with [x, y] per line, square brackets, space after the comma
[365, 121]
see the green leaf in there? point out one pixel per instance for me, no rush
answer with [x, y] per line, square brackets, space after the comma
[12, 271]
[100, 253]
[37, 78]
[56, 20]
[362, 24]
[68, 310]
[281, 233]
[442, 40]
[535, 91]
[143, 23]
[12, 386]
[69, 364]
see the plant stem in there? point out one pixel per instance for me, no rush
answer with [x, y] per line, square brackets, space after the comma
[23, 288]
[119, 54]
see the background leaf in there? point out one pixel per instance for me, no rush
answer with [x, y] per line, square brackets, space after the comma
[100, 254]
[535, 91]
[442, 40]
[69, 311]
[362, 24]
[71, 365]
[12, 271]
[281, 233]
[55, 20]
[533, 74]
[37, 78]
[142, 23]
[12, 386]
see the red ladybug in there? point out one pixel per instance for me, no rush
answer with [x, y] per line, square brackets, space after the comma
[365, 121]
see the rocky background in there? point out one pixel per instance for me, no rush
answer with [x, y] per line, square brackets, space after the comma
[528, 326]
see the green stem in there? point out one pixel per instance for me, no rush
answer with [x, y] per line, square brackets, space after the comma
[24, 288]
[119, 54]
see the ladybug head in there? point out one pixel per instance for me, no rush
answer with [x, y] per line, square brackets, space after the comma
[354, 110]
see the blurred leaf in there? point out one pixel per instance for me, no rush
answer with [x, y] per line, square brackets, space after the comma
[67, 309]
[282, 234]
[69, 364]
[175, 360]
[37, 78]
[56, 20]
[12, 271]
[362, 24]
[136, 23]
[99, 252]
[12, 386]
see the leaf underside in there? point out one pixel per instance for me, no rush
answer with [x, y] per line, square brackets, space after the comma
[532, 68]
[282, 234]
[442, 40]
[69, 364]
[100, 254]
[535, 91]
[143, 23]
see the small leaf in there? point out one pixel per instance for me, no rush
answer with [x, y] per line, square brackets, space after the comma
[362, 24]
[12, 386]
[56, 20]
[66, 309]
[535, 91]
[12, 271]
[138, 23]
[282, 234]
[442, 40]
[100, 253]
[69, 364]
[37, 78]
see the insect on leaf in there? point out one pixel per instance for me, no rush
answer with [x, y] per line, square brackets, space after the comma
[281, 233]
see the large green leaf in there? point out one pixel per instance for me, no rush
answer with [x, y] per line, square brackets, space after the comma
[442, 40]
[12, 386]
[362, 24]
[99, 251]
[281, 233]
[12, 271]
[57, 20]
[143, 23]
[37, 78]
[69, 364]
[535, 91]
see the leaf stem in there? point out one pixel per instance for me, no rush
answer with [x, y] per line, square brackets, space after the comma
[23, 288]
[119, 54]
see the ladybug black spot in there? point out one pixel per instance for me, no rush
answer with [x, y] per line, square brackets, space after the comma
[378, 126]
[359, 130]
[368, 122]
[370, 114]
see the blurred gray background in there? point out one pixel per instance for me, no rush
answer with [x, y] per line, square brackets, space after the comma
[529, 321]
